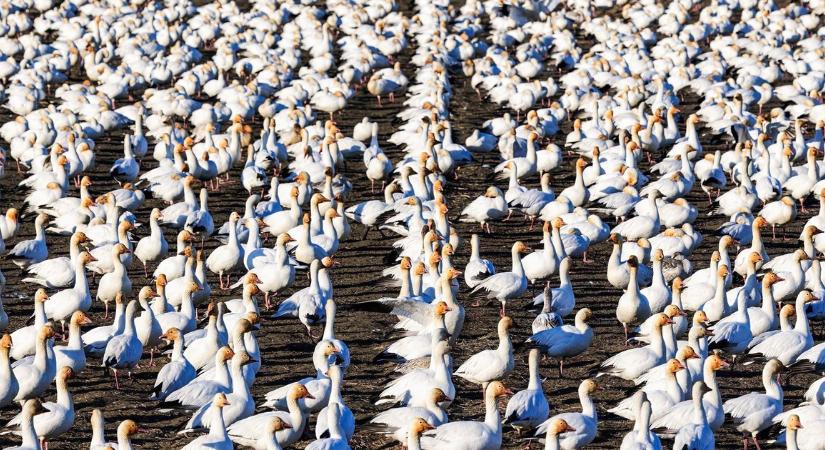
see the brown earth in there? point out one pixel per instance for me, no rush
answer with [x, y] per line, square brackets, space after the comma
[287, 352]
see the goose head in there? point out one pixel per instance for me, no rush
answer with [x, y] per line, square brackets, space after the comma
[674, 366]
[793, 422]
[80, 318]
[171, 334]
[559, 426]
[278, 424]
[40, 296]
[715, 362]
[497, 389]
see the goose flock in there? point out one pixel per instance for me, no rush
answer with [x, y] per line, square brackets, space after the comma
[378, 223]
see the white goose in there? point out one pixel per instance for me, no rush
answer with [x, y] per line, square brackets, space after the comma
[505, 286]
[489, 365]
[467, 435]
[527, 409]
[585, 424]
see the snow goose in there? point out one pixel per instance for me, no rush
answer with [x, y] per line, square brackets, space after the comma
[8, 382]
[124, 350]
[248, 432]
[307, 251]
[103, 253]
[178, 372]
[198, 392]
[414, 432]
[200, 220]
[173, 266]
[787, 345]
[477, 268]
[125, 169]
[584, 423]
[562, 299]
[681, 414]
[323, 357]
[307, 304]
[505, 286]
[217, 438]
[31, 251]
[618, 270]
[239, 396]
[116, 281]
[757, 246]
[367, 213]
[780, 212]
[72, 354]
[710, 298]
[697, 433]
[527, 409]
[413, 388]
[184, 320]
[331, 309]
[58, 416]
[147, 326]
[490, 206]
[343, 417]
[9, 224]
[272, 431]
[467, 435]
[153, 247]
[753, 412]
[489, 365]
[567, 340]
[95, 340]
[631, 363]
[660, 400]
[124, 431]
[393, 421]
[733, 335]
[228, 256]
[31, 408]
[641, 226]
[633, 307]
[763, 318]
[793, 276]
[717, 306]
[547, 318]
[57, 272]
[541, 264]
[658, 294]
[34, 377]
[25, 338]
[800, 185]
[640, 437]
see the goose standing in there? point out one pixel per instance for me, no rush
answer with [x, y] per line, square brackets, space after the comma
[567, 340]
[585, 423]
[527, 409]
[175, 374]
[505, 286]
[753, 412]
[467, 435]
[228, 256]
[477, 268]
[124, 350]
[31, 251]
[489, 365]
[58, 416]
[8, 381]
[217, 438]
[696, 435]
